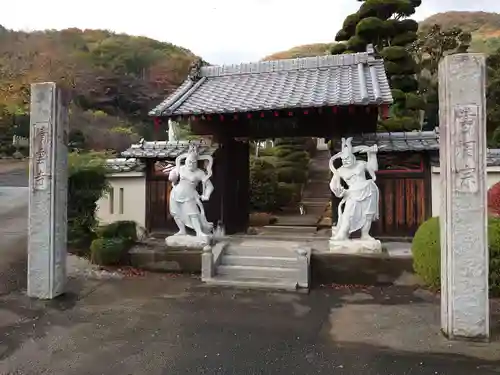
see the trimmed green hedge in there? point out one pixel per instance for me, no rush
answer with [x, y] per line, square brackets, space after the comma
[263, 186]
[426, 249]
[126, 230]
[108, 251]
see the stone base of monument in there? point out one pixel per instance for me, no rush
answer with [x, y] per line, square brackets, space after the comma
[188, 242]
[356, 246]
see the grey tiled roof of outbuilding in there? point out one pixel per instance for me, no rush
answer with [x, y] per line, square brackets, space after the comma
[333, 80]
[165, 150]
[397, 141]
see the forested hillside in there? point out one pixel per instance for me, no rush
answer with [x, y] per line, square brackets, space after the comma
[114, 78]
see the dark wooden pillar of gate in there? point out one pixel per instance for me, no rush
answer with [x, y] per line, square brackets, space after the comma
[232, 178]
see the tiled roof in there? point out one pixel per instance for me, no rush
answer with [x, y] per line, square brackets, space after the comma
[125, 165]
[398, 141]
[165, 149]
[493, 157]
[334, 80]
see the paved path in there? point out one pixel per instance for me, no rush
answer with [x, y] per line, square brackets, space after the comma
[167, 326]
[13, 228]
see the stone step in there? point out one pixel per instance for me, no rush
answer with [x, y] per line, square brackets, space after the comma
[254, 283]
[291, 228]
[259, 248]
[319, 200]
[234, 272]
[259, 261]
[325, 195]
[315, 202]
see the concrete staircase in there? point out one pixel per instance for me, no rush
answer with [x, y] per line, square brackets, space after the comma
[317, 194]
[258, 264]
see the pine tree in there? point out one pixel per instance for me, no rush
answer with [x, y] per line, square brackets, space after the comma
[385, 25]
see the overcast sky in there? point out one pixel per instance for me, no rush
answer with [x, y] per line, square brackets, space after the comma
[221, 31]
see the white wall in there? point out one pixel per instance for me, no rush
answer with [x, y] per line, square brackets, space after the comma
[129, 199]
[493, 176]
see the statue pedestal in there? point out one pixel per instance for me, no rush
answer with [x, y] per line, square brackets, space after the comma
[187, 241]
[356, 246]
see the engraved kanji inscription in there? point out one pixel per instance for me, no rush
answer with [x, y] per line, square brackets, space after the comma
[40, 156]
[466, 119]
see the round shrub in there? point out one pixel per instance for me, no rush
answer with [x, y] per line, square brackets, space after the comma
[338, 48]
[404, 39]
[369, 27]
[292, 175]
[404, 83]
[394, 53]
[426, 249]
[288, 193]
[400, 124]
[126, 230]
[297, 156]
[426, 252]
[108, 251]
[414, 101]
[398, 95]
[356, 43]
[263, 186]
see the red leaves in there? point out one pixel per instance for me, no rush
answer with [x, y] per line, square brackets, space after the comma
[494, 200]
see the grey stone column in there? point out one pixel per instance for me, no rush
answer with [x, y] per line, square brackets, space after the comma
[463, 215]
[48, 181]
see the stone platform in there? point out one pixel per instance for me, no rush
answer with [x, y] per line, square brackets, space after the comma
[356, 246]
[153, 255]
[392, 266]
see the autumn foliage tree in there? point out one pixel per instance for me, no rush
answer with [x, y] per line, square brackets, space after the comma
[116, 75]
[385, 25]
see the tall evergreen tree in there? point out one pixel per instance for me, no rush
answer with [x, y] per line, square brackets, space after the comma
[385, 25]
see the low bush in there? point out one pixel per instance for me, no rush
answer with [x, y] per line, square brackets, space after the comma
[269, 151]
[301, 157]
[292, 175]
[126, 230]
[263, 186]
[426, 249]
[288, 193]
[108, 251]
[8, 149]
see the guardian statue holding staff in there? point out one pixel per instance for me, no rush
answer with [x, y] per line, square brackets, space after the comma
[359, 205]
[186, 204]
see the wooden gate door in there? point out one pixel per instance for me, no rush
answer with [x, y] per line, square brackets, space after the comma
[158, 188]
[405, 197]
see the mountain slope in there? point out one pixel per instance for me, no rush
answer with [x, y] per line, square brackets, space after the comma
[484, 26]
[316, 49]
[114, 79]
[116, 73]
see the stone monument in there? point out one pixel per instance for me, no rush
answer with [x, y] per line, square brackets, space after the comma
[359, 205]
[48, 178]
[186, 205]
[463, 219]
